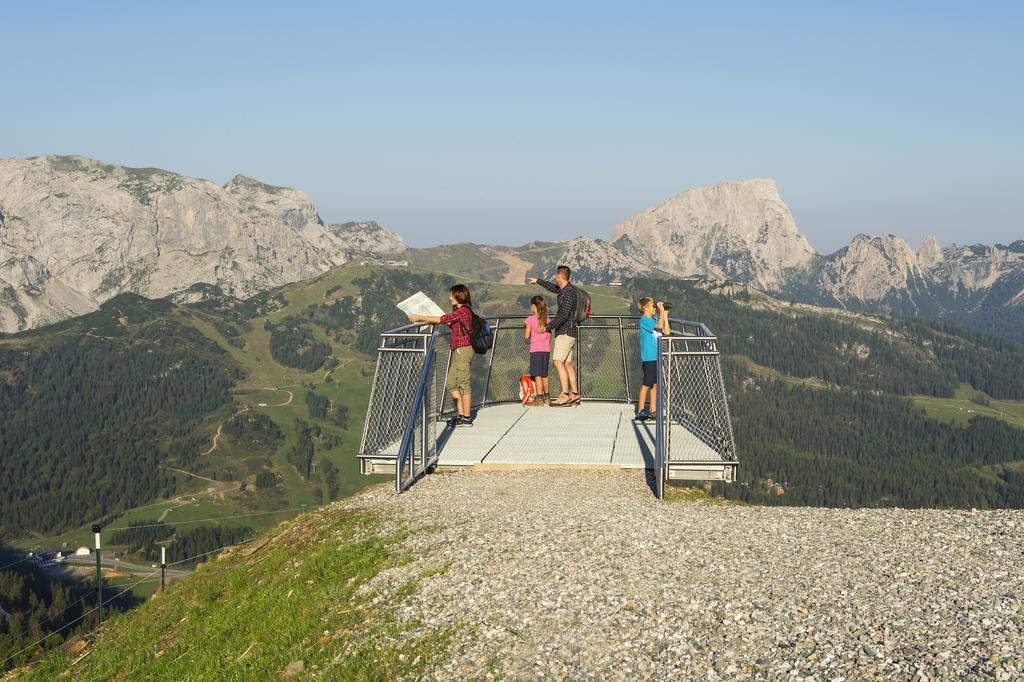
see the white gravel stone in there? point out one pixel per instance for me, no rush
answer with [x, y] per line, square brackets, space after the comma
[584, 575]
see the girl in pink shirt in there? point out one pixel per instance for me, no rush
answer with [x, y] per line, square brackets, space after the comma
[540, 349]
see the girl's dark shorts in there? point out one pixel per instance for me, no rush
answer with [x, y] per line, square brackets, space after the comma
[650, 373]
[539, 364]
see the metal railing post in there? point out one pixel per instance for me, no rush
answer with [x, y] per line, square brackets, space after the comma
[579, 359]
[423, 428]
[625, 370]
[490, 364]
[408, 441]
[659, 427]
[667, 407]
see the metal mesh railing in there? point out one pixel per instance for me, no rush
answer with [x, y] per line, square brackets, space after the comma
[607, 362]
[399, 363]
[408, 397]
[695, 397]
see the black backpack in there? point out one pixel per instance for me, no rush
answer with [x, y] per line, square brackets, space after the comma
[481, 337]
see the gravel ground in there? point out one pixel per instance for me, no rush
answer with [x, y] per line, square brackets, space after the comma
[567, 574]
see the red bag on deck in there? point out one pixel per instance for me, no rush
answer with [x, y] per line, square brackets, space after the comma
[525, 387]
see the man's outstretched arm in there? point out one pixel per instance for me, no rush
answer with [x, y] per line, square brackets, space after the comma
[550, 286]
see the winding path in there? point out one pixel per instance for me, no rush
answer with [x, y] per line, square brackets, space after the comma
[291, 396]
[194, 475]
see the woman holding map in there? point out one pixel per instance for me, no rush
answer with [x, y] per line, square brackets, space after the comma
[460, 320]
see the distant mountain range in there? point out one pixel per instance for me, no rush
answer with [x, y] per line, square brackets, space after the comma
[742, 231]
[75, 232]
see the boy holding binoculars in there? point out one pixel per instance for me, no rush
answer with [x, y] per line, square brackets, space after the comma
[653, 323]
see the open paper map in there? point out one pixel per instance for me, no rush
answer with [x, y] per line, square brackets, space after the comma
[420, 304]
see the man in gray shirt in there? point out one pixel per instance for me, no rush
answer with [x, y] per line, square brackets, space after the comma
[565, 331]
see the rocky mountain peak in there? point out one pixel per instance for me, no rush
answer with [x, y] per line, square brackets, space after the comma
[597, 261]
[77, 232]
[739, 230]
[361, 238]
[870, 269]
[930, 254]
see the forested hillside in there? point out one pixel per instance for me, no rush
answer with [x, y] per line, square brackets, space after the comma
[91, 409]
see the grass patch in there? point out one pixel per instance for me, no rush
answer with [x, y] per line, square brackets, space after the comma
[685, 493]
[966, 404]
[301, 597]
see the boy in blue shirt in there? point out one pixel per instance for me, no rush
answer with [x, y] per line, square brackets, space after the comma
[653, 320]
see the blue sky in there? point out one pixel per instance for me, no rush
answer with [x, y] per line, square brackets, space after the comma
[520, 121]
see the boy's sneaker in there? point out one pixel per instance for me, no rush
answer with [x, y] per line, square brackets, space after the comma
[643, 415]
[464, 421]
[535, 401]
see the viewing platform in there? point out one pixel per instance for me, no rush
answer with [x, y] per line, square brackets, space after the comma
[691, 439]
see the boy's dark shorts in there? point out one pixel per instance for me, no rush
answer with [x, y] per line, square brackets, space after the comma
[650, 373]
[539, 364]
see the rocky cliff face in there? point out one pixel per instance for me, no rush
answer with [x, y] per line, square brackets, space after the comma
[871, 269]
[594, 261]
[884, 273]
[75, 232]
[733, 230]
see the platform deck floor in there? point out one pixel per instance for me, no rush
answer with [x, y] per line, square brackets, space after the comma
[590, 434]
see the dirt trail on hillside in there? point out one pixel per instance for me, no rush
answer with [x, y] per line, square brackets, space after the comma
[517, 267]
[291, 396]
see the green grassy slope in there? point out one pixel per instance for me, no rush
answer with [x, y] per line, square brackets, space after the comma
[236, 618]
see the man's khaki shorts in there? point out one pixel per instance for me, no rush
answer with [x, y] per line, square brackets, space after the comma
[564, 349]
[458, 371]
